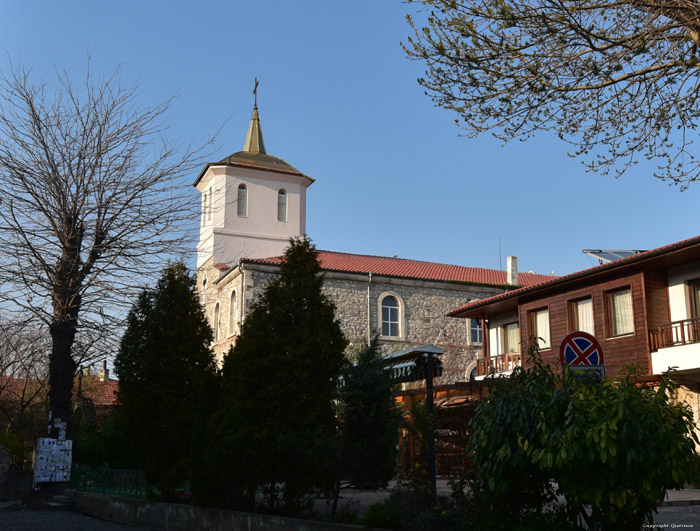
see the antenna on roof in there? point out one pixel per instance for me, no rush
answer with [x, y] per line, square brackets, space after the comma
[500, 261]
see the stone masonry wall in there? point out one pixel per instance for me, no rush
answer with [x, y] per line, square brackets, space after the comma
[423, 308]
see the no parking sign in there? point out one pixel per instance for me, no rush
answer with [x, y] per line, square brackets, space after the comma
[582, 353]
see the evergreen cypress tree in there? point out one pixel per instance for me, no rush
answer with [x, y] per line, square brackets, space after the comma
[370, 421]
[276, 425]
[167, 378]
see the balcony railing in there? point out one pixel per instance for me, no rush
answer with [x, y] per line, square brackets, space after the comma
[496, 364]
[675, 334]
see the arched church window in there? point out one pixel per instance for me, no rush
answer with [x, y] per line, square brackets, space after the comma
[282, 205]
[216, 322]
[242, 201]
[232, 314]
[390, 316]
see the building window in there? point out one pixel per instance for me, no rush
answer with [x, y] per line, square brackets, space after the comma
[282, 205]
[390, 316]
[511, 338]
[216, 322]
[204, 290]
[242, 201]
[581, 315]
[232, 314]
[620, 315]
[694, 295]
[475, 332]
[539, 325]
[207, 198]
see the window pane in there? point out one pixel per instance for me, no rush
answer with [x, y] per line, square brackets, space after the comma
[621, 312]
[540, 325]
[583, 316]
[281, 205]
[232, 314]
[475, 331]
[695, 288]
[512, 338]
[390, 317]
[242, 201]
[216, 322]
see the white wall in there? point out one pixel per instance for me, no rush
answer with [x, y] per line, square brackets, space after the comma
[226, 237]
[677, 278]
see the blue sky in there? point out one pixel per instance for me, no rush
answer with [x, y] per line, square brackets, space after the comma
[339, 100]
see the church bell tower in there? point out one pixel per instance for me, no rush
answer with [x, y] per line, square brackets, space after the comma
[252, 203]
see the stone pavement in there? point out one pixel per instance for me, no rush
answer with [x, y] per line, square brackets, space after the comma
[681, 510]
[31, 520]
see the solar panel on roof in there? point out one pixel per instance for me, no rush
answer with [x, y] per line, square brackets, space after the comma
[604, 256]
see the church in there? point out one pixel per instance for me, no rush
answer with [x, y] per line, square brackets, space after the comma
[253, 203]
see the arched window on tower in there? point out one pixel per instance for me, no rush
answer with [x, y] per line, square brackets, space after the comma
[217, 311]
[282, 205]
[232, 314]
[242, 201]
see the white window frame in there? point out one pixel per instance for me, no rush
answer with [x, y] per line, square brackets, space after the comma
[471, 329]
[400, 311]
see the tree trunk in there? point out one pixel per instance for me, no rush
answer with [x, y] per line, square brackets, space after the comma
[61, 373]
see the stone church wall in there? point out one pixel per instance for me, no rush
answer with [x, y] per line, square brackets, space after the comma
[423, 308]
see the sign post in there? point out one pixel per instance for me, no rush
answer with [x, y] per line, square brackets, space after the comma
[583, 354]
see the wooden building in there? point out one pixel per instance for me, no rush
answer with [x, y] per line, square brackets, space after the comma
[643, 309]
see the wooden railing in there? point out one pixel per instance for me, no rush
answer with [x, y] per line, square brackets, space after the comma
[496, 364]
[675, 334]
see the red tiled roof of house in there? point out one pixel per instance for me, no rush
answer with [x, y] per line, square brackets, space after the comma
[416, 269]
[102, 392]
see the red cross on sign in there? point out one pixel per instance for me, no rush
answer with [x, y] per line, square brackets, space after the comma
[581, 348]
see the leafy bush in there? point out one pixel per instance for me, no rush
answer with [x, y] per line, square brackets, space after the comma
[382, 515]
[609, 448]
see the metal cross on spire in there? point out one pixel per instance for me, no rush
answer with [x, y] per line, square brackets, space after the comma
[255, 92]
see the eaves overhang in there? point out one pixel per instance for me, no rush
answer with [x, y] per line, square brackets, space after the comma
[667, 256]
[269, 168]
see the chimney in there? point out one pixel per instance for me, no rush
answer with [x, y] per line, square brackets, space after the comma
[512, 264]
[105, 370]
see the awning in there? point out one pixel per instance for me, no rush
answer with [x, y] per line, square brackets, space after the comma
[409, 365]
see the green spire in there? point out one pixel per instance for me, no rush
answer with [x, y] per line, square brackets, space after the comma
[254, 141]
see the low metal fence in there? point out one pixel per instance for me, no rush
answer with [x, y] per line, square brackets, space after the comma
[108, 481]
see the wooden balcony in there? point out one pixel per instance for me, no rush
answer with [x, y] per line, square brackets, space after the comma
[498, 364]
[675, 334]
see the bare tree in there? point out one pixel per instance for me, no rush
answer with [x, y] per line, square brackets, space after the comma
[24, 357]
[92, 196]
[617, 79]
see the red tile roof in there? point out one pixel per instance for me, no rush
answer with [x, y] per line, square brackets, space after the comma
[102, 392]
[416, 269]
